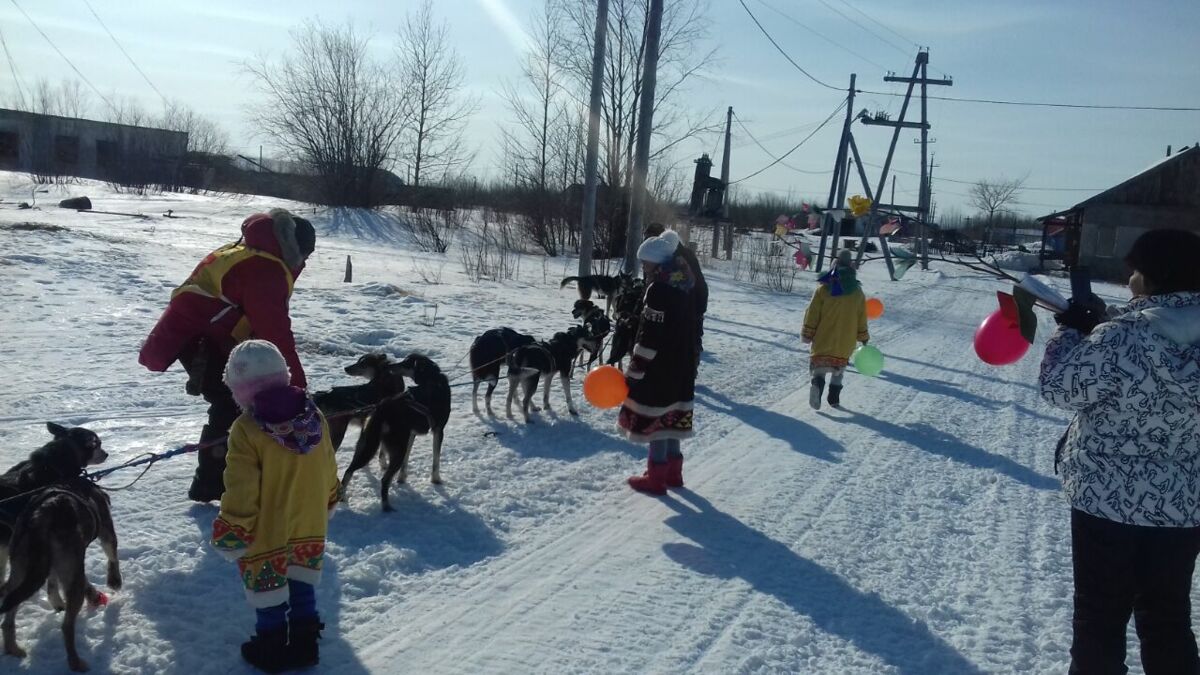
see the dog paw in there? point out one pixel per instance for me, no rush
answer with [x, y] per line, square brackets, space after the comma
[97, 599]
[387, 508]
[79, 665]
[436, 480]
[113, 580]
[573, 412]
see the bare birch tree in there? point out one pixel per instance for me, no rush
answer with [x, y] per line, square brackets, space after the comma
[204, 135]
[432, 77]
[329, 104]
[995, 196]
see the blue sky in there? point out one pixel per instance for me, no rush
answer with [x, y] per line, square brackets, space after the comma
[1078, 51]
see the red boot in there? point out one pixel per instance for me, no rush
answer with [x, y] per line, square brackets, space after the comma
[653, 481]
[674, 477]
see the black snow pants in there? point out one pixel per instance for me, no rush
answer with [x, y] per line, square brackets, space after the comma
[1122, 569]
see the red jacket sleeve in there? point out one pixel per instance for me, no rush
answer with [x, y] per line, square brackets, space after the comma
[260, 288]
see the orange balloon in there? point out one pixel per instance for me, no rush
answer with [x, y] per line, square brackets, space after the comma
[605, 387]
[874, 308]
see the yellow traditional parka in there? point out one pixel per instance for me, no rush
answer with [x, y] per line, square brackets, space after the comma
[836, 319]
[281, 487]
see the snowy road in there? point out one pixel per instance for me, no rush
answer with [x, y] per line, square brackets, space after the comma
[919, 531]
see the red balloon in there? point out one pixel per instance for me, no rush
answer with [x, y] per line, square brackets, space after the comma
[998, 340]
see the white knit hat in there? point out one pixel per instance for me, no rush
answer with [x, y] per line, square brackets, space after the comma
[255, 366]
[660, 249]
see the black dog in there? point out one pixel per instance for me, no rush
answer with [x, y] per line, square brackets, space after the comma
[540, 361]
[596, 325]
[628, 315]
[600, 284]
[488, 352]
[62, 459]
[423, 409]
[49, 542]
[383, 380]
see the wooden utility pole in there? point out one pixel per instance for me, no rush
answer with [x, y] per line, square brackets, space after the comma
[919, 76]
[587, 222]
[830, 223]
[641, 163]
[722, 217]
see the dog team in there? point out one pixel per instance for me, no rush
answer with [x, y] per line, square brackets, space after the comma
[267, 450]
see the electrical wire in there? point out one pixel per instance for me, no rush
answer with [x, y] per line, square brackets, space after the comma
[990, 101]
[12, 66]
[822, 36]
[772, 156]
[796, 146]
[780, 49]
[127, 56]
[64, 56]
[881, 38]
[877, 23]
[975, 182]
[1045, 104]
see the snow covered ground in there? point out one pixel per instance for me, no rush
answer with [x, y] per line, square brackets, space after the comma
[921, 530]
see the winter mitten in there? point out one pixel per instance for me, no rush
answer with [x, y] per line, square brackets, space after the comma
[1081, 316]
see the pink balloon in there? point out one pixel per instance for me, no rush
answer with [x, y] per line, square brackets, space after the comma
[998, 340]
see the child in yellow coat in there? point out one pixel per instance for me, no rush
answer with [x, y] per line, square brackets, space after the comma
[836, 319]
[280, 488]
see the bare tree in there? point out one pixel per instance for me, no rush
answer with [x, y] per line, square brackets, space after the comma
[995, 196]
[685, 29]
[204, 136]
[68, 99]
[432, 75]
[329, 104]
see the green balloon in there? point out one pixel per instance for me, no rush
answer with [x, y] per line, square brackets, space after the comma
[868, 360]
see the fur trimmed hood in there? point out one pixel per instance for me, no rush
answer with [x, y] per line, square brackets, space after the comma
[275, 233]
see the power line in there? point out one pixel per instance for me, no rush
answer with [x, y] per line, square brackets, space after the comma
[771, 155]
[64, 56]
[822, 36]
[796, 146]
[783, 133]
[1044, 104]
[881, 38]
[975, 182]
[127, 56]
[779, 49]
[877, 23]
[990, 101]
[12, 65]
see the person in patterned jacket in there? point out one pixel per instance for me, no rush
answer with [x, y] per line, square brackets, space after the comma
[662, 373]
[1130, 459]
[280, 488]
[835, 320]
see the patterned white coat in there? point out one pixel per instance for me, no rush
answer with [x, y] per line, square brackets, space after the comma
[1132, 453]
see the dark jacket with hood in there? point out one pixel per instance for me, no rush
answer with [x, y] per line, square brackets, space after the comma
[662, 372]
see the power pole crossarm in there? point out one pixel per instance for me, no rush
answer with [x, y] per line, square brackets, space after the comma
[919, 80]
[875, 122]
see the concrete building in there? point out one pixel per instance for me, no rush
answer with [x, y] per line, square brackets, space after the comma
[48, 145]
[1100, 230]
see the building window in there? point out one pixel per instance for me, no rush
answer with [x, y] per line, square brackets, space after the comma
[1106, 241]
[107, 154]
[8, 145]
[66, 149]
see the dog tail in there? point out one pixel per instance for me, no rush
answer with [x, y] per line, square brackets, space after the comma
[370, 438]
[567, 281]
[31, 568]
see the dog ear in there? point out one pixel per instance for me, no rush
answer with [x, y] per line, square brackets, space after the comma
[56, 430]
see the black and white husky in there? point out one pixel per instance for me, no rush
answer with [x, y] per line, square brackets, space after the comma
[540, 361]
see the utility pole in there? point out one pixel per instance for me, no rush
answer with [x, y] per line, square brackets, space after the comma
[587, 223]
[723, 216]
[641, 165]
[829, 222]
[919, 76]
